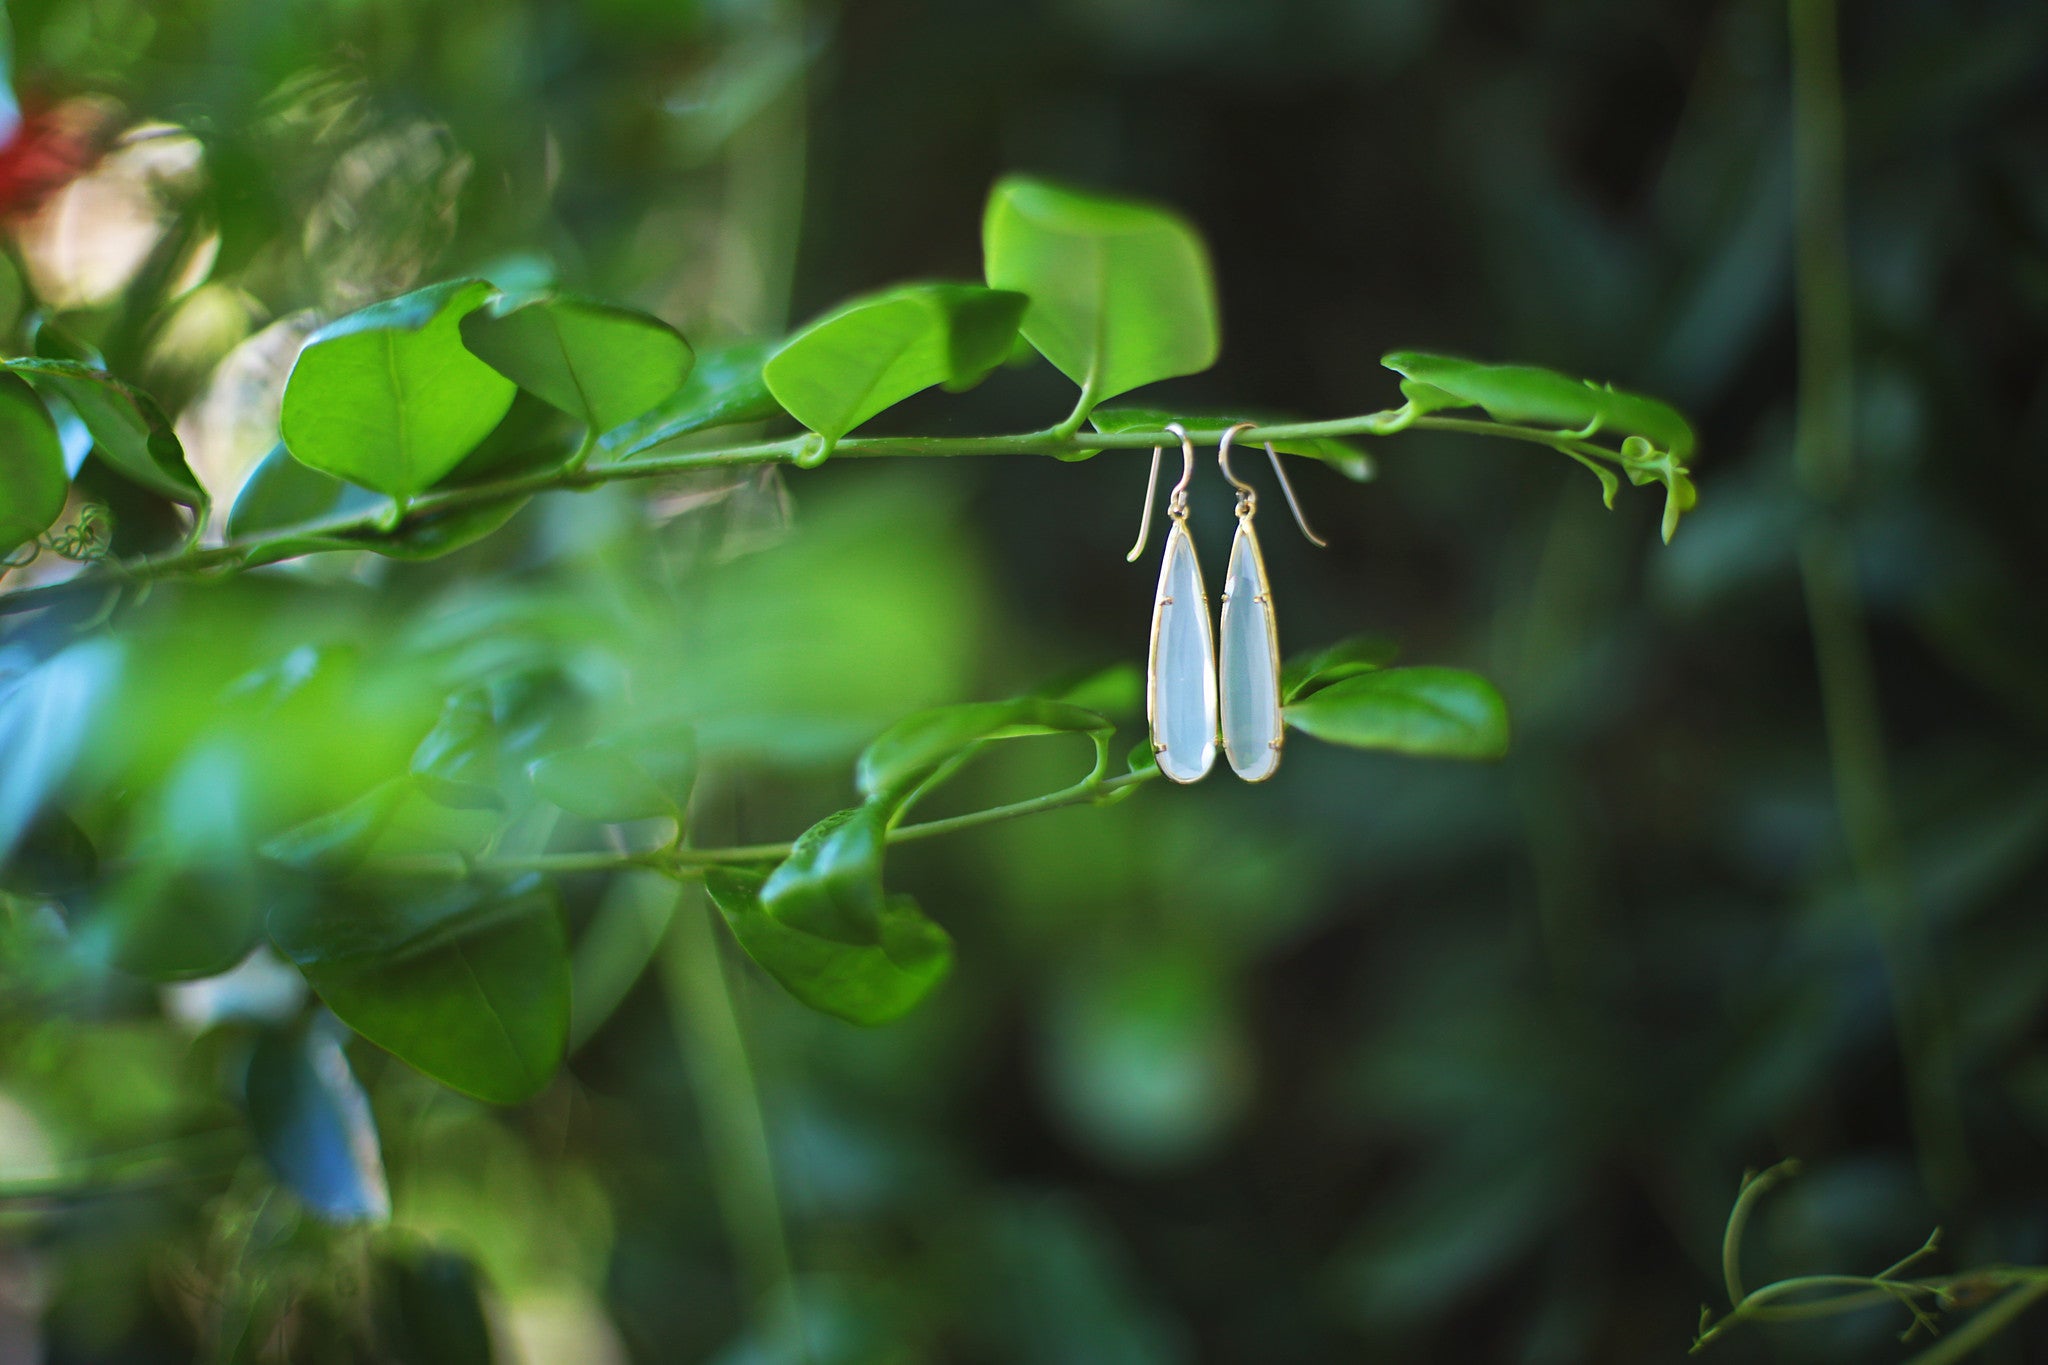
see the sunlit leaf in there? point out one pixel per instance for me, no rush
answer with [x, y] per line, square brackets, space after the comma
[129, 431]
[1432, 712]
[601, 364]
[863, 983]
[874, 352]
[389, 397]
[1120, 291]
[33, 484]
[1527, 394]
[312, 1122]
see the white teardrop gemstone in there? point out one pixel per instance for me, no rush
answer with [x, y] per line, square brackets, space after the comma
[1181, 692]
[1250, 668]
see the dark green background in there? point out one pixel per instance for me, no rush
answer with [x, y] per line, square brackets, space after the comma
[1383, 1060]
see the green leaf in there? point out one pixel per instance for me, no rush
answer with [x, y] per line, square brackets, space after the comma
[601, 364]
[1306, 673]
[338, 841]
[1117, 691]
[312, 1122]
[53, 857]
[129, 431]
[429, 1309]
[168, 921]
[603, 782]
[1346, 458]
[874, 352]
[866, 983]
[434, 534]
[1431, 712]
[1120, 291]
[830, 886]
[486, 1012]
[457, 763]
[386, 917]
[1643, 463]
[1528, 395]
[915, 746]
[389, 397]
[282, 493]
[33, 485]
[723, 389]
[188, 908]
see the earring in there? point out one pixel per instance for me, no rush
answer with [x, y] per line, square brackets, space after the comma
[1180, 669]
[1250, 664]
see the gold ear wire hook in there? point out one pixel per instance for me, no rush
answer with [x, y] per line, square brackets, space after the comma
[1176, 499]
[1246, 494]
[1293, 503]
[1248, 497]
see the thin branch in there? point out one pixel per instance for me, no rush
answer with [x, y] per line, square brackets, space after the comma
[689, 863]
[364, 529]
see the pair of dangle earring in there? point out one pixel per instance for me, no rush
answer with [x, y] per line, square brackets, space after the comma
[1184, 677]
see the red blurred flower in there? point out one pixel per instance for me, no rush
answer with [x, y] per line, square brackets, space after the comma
[49, 148]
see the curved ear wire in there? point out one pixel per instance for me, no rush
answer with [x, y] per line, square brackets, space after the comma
[1293, 503]
[1178, 498]
[1223, 459]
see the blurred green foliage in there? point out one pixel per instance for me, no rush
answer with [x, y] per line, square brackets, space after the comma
[1382, 1058]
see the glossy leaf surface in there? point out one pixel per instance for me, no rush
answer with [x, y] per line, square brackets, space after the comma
[129, 431]
[389, 397]
[602, 364]
[1429, 712]
[1121, 293]
[33, 484]
[864, 983]
[830, 886]
[725, 387]
[1307, 673]
[874, 352]
[1539, 397]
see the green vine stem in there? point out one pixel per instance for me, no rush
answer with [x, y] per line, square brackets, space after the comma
[707, 1029]
[690, 863]
[630, 463]
[2001, 1293]
[1824, 452]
